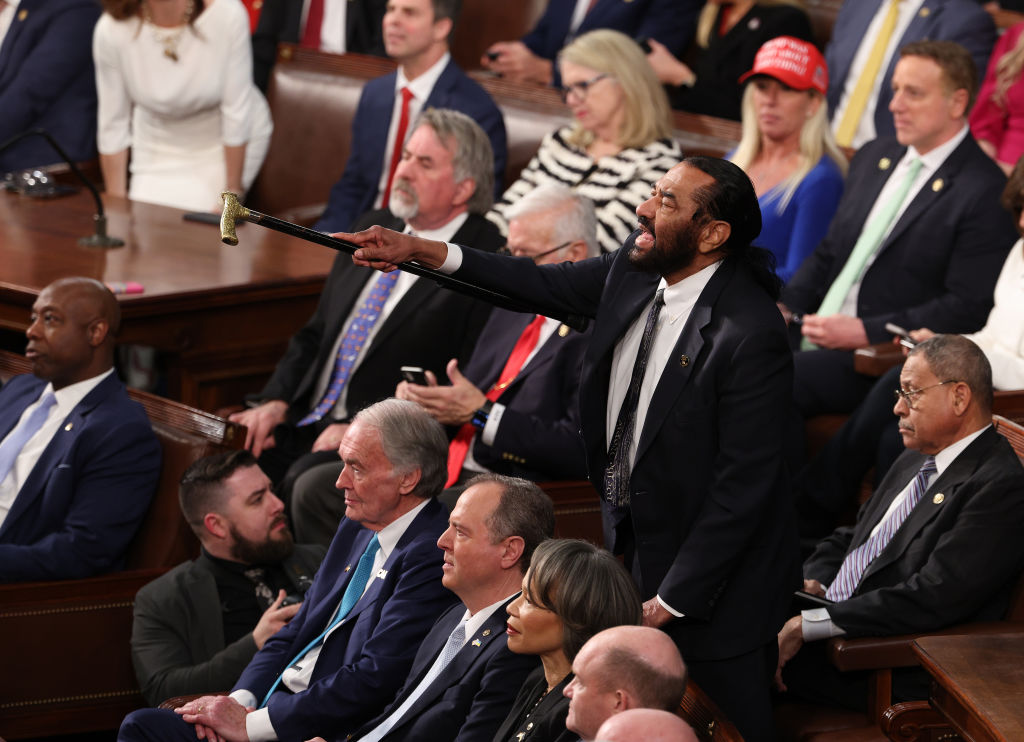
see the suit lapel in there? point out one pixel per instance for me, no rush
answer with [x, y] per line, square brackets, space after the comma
[8, 67]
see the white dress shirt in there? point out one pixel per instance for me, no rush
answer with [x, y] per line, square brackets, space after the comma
[866, 128]
[817, 624]
[67, 399]
[404, 282]
[297, 677]
[930, 162]
[421, 88]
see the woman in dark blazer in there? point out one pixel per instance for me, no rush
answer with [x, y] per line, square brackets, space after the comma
[728, 37]
[572, 591]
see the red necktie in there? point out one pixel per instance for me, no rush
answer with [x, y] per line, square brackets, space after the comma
[314, 20]
[527, 341]
[396, 153]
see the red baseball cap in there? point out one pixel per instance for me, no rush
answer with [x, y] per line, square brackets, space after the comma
[792, 61]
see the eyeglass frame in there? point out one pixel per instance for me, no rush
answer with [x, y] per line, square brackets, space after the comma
[581, 88]
[507, 251]
[909, 394]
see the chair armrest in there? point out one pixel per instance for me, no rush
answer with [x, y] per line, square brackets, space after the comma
[1009, 404]
[875, 360]
[882, 652]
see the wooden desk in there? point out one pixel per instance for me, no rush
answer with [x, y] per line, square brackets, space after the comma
[221, 316]
[978, 683]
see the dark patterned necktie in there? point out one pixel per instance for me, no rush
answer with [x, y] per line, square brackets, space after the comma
[618, 469]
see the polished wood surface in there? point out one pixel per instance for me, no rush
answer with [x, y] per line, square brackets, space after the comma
[978, 683]
[220, 316]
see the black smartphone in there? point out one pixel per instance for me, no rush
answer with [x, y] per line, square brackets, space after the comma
[810, 600]
[905, 340]
[414, 375]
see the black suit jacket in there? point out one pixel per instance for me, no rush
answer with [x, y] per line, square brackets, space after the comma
[547, 718]
[471, 696]
[711, 516]
[539, 434]
[938, 265]
[178, 632]
[956, 557]
[281, 21]
[427, 328]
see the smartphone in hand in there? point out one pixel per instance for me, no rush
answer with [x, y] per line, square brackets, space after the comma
[414, 375]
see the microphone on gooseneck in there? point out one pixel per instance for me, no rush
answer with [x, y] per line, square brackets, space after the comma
[99, 237]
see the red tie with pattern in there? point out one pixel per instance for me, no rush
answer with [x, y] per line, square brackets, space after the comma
[314, 20]
[459, 446]
[396, 153]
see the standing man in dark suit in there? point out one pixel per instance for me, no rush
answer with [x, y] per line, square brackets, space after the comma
[47, 79]
[864, 49]
[918, 240]
[938, 543]
[442, 190]
[195, 628]
[688, 457]
[491, 535]
[416, 35]
[349, 649]
[78, 459]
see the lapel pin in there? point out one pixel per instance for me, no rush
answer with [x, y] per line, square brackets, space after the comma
[381, 574]
[22, 14]
[487, 632]
[563, 330]
[925, 12]
[884, 164]
[754, 24]
[937, 185]
[476, 642]
[939, 497]
[684, 360]
[348, 568]
[68, 426]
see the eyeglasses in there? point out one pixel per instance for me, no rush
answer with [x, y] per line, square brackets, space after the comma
[907, 395]
[580, 88]
[520, 253]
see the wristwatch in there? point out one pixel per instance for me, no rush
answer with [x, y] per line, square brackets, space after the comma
[481, 416]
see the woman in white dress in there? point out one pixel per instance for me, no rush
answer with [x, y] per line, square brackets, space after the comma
[174, 79]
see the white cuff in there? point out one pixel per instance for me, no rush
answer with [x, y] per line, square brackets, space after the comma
[259, 728]
[817, 625]
[669, 608]
[245, 697]
[490, 431]
[453, 261]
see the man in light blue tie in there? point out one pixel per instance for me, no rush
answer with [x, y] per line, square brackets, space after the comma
[937, 544]
[918, 239]
[78, 459]
[341, 660]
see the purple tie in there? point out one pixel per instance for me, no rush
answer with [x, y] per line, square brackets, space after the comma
[857, 561]
[355, 338]
[22, 434]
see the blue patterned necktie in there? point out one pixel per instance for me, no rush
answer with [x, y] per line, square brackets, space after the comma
[353, 591]
[619, 468]
[11, 446]
[857, 561]
[355, 337]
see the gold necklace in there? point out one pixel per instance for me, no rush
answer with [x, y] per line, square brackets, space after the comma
[169, 39]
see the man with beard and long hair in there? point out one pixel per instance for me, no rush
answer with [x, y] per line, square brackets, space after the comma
[683, 398]
[196, 627]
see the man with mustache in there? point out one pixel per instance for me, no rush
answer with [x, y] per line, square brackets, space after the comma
[198, 626]
[683, 398]
[937, 544]
[350, 353]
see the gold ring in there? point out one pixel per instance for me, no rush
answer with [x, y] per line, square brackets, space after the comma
[201, 709]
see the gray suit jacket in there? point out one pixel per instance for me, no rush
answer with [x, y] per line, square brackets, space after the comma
[178, 634]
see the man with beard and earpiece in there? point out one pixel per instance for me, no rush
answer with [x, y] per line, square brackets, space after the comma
[350, 353]
[197, 627]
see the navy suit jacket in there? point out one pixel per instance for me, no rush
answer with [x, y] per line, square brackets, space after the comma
[962, 21]
[956, 557]
[672, 22]
[710, 509]
[427, 328]
[366, 660]
[47, 81]
[85, 498]
[470, 698]
[539, 434]
[938, 265]
[356, 192]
